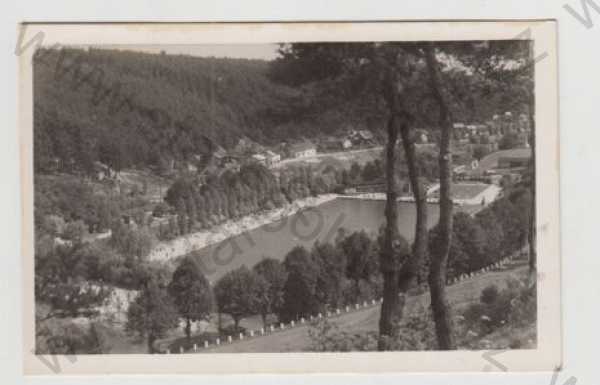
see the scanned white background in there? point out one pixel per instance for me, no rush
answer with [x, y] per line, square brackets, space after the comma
[579, 64]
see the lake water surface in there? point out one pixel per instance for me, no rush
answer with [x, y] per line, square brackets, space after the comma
[320, 223]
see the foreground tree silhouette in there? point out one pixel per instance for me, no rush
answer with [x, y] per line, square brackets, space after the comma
[439, 257]
[191, 293]
[387, 75]
[152, 313]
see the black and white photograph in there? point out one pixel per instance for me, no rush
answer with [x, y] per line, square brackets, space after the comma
[318, 195]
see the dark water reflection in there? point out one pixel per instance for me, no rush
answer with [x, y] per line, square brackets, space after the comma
[320, 223]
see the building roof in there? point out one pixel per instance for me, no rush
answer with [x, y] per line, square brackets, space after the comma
[220, 152]
[302, 146]
[366, 134]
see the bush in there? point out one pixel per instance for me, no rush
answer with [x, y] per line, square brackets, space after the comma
[414, 332]
[489, 295]
[515, 305]
[325, 336]
[161, 210]
[66, 337]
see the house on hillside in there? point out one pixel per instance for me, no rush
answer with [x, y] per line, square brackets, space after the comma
[523, 140]
[219, 153]
[458, 130]
[260, 159]
[272, 158]
[103, 171]
[523, 123]
[361, 137]
[302, 150]
[422, 136]
[231, 163]
[190, 167]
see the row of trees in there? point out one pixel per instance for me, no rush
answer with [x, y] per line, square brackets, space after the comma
[307, 282]
[202, 204]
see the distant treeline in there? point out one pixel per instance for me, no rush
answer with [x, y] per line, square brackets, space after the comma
[138, 109]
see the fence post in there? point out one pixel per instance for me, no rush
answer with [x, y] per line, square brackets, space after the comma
[196, 347]
[206, 344]
[229, 339]
[218, 341]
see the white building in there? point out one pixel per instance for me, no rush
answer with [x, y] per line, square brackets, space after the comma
[272, 158]
[302, 150]
[260, 159]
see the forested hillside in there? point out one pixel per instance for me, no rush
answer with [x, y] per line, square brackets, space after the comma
[130, 109]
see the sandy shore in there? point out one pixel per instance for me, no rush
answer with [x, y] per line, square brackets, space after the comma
[180, 246]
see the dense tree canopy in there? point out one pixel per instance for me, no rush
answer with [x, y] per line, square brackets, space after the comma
[238, 293]
[191, 293]
[152, 313]
[273, 275]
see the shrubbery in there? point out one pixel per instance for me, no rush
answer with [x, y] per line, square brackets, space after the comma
[514, 305]
[492, 234]
[415, 332]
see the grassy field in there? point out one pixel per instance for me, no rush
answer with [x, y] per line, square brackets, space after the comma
[297, 339]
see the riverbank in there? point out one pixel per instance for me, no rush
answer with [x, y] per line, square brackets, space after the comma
[180, 246]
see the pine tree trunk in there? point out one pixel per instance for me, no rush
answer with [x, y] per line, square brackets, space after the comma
[409, 271]
[389, 266]
[439, 257]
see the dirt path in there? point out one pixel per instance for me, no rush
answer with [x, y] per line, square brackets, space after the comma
[297, 339]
